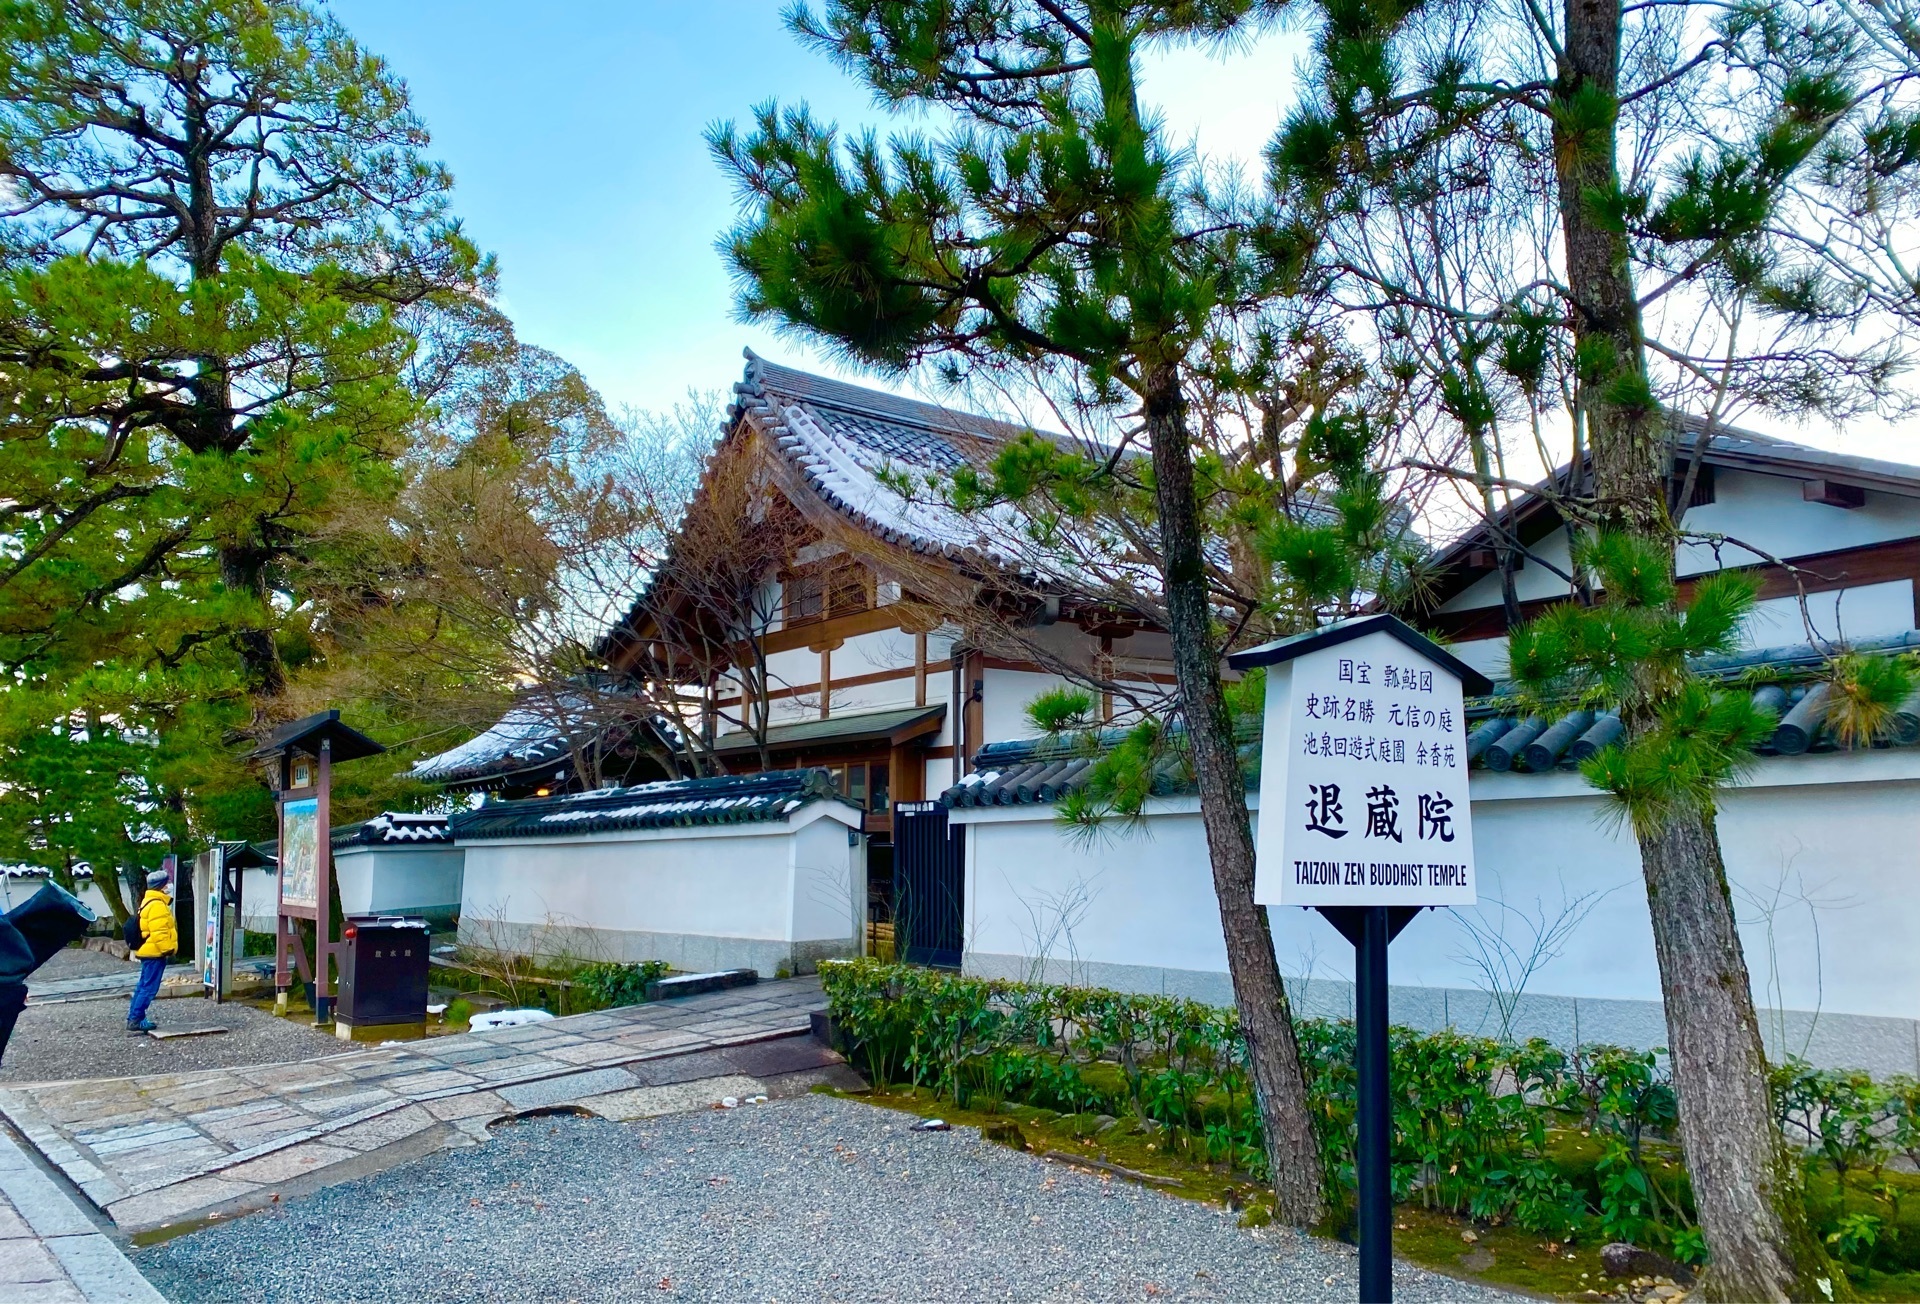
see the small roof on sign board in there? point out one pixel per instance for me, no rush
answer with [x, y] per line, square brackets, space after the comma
[349, 744]
[1472, 682]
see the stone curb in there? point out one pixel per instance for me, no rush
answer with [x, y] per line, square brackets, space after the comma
[105, 1190]
[91, 1261]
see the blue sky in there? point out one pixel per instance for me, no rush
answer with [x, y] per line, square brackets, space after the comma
[574, 132]
[574, 135]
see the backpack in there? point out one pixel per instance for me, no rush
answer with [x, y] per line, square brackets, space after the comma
[131, 932]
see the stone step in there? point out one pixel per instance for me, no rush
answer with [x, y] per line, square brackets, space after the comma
[693, 984]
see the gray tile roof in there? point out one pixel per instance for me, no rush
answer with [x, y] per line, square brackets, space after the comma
[80, 872]
[1039, 771]
[394, 829]
[534, 738]
[1750, 450]
[840, 438]
[677, 803]
[849, 728]
[1500, 738]
[522, 739]
[1729, 446]
[1503, 738]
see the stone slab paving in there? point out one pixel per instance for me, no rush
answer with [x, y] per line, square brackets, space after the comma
[155, 1149]
[49, 1249]
[178, 979]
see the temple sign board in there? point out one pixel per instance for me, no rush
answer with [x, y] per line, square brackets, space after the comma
[1363, 784]
[1364, 817]
[298, 759]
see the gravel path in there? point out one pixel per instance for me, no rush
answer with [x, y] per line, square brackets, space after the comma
[78, 962]
[807, 1199]
[89, 1039]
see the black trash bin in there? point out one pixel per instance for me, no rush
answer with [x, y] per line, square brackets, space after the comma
[383, 979]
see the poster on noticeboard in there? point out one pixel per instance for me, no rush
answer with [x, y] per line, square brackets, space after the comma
[300, 853]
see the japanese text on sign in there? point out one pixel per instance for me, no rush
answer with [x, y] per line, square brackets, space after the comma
[1369, 804]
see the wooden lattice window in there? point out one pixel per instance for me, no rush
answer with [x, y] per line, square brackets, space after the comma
[1702, 484]
[835, 588]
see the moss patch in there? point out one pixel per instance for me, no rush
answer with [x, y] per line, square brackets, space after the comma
[1434, 1239]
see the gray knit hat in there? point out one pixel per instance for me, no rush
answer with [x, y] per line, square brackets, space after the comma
[158, 878]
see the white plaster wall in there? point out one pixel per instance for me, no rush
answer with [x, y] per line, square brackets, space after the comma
[1531, 581]
[376, 880]
[878, 650]
[1766, 511]
[16, 891]
[794, 667]
[829, 894]
[1141, 898]
[1003, 707]
[1821, 854]
[1769, 512]
[772, 882]
[1868, 611]
[259, 899]
[1487, 655]
[940, 776]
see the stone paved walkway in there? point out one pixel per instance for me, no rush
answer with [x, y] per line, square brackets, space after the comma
[50, 1251]
[153, 1150]
[179, 979]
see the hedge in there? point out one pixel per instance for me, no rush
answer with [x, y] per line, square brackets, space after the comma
[1558, 1143]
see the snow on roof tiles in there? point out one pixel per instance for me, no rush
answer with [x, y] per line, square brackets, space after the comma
[394, 828]
[730, 799]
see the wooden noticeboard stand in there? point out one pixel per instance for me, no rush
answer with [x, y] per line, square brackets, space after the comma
[299, 759]
[1365, 817]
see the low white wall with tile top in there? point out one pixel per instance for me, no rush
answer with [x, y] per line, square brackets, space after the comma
[1821, 856]
[765, 896]
[400, 880]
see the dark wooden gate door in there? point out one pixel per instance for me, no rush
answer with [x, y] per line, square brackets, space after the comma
[929, 884]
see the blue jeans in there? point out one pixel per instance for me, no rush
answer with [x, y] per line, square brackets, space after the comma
[147, 988]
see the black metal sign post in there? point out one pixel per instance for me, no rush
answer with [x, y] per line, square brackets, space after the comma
[1372, 929]
[1365, 816]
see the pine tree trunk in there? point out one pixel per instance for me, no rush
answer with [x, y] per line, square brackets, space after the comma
[1749, 1204]
[1746, 1185]
[1266, 1021]
[243, 570]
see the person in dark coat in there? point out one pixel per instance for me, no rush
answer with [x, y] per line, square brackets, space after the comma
[30, 934]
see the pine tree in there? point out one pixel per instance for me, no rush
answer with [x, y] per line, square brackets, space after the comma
[254, 159]
[1053, 231]
[1642, 164]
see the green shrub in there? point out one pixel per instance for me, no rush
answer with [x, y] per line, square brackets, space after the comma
[620, 984]
[1558, 1144]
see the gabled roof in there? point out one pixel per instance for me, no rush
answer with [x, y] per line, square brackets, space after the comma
[532, 740]
[346, 742]
[677, 803]
[246, 855]
[1533, 516]
[1748, 450]
[841, 438]
[523, 739]
[895, 726]
[394, 829]
[1280, 651]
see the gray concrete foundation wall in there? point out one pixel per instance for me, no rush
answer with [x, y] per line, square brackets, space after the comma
[687, 952]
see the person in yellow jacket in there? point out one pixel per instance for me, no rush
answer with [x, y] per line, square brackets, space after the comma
[160, 939]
